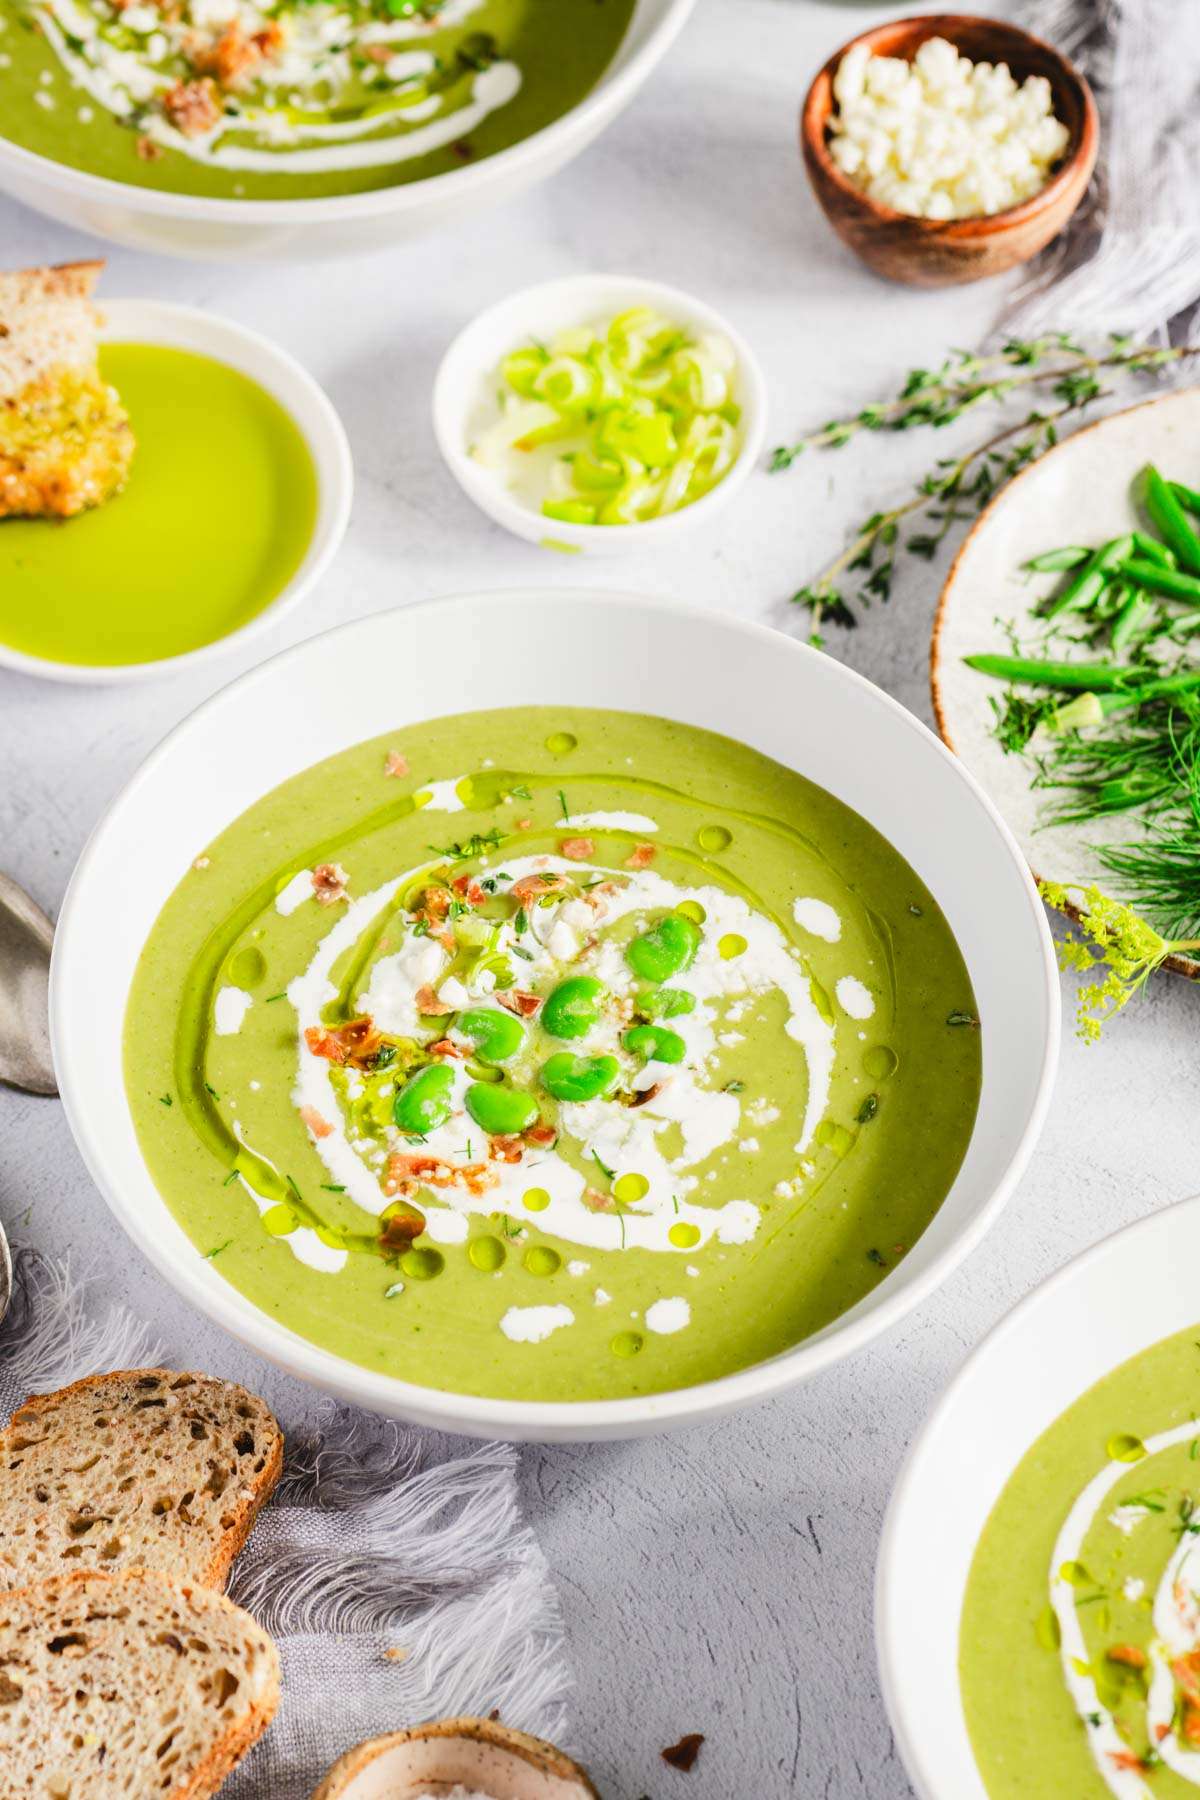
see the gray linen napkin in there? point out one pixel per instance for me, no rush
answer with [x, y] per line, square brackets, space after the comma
[1130, 259]
[393, 1567]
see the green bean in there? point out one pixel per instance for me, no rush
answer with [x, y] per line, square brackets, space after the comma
[1086, 587]
[1093, 708]
[1153, 551]
[1171, 520]
[423, 1103]
[1051, 561]
[1134, 613]
[577, 1078]
[500, 1110]
[1088, 677]
[1175, 582]
[1187, 497]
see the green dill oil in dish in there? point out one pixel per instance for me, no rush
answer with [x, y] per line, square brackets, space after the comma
[1079, 1651]
[298, 100]
[549, 1053]
[215, 519]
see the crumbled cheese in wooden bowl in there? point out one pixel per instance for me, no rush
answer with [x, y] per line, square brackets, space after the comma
[943, 137]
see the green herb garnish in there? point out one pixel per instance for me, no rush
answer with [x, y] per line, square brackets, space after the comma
[471, 847]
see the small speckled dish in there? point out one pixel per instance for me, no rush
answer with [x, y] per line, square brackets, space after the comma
[480, 1755]
[937, 252]
[468, 370]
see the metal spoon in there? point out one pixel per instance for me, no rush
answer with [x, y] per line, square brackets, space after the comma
[26, 935]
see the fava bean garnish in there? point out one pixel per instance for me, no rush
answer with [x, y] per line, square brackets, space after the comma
[639, 414]
[1114, 729]
[569, 1077]
[423, 1103]
[500, 1110]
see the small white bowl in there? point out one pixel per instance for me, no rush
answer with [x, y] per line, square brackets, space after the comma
[1120, 1297]
[192, 225]
[469, 367]
[570, 648]
[311, 410]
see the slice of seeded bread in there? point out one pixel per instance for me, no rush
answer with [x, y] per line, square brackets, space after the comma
[65, 441]
[128, 1687]
[143, 1469]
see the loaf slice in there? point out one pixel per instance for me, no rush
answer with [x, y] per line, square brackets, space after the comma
[65, 440]
[146, 1468]
[128, 1685]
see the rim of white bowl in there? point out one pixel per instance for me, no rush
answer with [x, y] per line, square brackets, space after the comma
[610, 291]
[889, 1647]
[477, 1415]
[289, 383]
[376, 201]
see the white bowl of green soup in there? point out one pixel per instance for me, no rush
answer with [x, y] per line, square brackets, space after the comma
[228, 128]
[1037, 1619]
[553, 1014]
[236, 502]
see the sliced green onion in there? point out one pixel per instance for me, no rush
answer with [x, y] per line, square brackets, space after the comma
[641, 414]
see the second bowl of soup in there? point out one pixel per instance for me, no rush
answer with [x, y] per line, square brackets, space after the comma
[550, 1060]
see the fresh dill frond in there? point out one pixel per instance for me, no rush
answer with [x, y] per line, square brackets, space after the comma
[1114, 945]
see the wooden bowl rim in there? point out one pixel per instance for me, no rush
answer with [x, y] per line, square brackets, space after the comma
[538, 1753]
[1186, 966]
[819, 105]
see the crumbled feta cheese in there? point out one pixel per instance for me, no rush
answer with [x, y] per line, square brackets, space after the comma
[943, 137]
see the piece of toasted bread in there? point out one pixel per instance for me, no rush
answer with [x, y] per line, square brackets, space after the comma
[65, 441]
[142, 1469]
[115, 1686]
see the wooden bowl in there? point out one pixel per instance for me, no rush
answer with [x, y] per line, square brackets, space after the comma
[941, 252]
[479, 1754]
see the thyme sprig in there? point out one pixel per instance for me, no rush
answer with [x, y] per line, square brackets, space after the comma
[965, 380]
[958, 488]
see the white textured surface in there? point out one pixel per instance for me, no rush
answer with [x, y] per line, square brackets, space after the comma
[719, 1582]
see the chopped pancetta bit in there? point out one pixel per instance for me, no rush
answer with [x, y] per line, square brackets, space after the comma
[506, 1147]
[597, 1201]
[408, 1171]
[578, 849]
[431, 1005]
[640, 857]
[396, 762]
[330, 882]
[148, 151]
[519, 1001]
[536, 887]
[320, 1128]
[356, 1042]
[445, 1047]
[193, 106]
[399, 1230]
[541, 1135]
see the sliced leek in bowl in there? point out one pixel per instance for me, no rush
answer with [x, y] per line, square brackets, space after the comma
[586, 413]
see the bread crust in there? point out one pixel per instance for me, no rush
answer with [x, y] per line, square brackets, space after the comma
[207, 1776]
[237, 1522]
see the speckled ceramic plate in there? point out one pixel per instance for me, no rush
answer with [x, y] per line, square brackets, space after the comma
[1079, 492]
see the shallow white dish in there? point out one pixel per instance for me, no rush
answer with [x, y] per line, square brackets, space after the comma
[584, 648]
[344, 224]
[188, 328]
[1118, 1298]
[468, 372]
[1081, 491]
